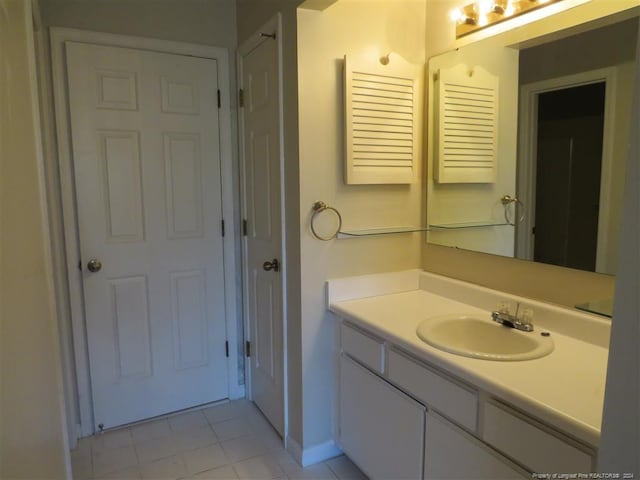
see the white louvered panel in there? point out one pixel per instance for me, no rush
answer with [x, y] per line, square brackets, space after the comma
[467, 127]
[380, 121]
[381, 104]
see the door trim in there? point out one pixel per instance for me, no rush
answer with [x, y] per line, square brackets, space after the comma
[274, 24]
[67, 193]
[527, 153]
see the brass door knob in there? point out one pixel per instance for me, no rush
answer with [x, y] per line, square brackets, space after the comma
[94, 265]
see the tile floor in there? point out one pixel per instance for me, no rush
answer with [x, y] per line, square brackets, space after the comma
[228, 441]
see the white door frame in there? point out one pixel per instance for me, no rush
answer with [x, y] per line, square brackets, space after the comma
[528, 152]
[272, 25]
[63, 132]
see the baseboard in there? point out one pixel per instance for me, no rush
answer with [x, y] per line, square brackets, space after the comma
[312, 455]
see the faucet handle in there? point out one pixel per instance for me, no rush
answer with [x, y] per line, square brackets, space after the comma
[527, 316]
[503, 307]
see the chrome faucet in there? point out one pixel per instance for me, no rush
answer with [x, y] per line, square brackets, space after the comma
[504, 317]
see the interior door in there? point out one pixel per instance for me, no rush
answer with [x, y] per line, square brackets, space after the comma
[263, 247]
[146, 155]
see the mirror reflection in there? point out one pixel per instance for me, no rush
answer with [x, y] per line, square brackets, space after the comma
[528, 146]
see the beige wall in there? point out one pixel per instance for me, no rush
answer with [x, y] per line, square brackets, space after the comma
[353, 28]
[563, 286]
[195, 21]
[620, 440]
[32, 421]
[252, 14]
[543, 282]
[606, 46]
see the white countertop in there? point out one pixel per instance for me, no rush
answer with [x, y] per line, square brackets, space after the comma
[564, 389]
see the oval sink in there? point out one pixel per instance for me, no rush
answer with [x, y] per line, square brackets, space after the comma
[476, 337]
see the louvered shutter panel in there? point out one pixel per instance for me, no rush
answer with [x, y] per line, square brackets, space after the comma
[467, 126]
[381, 108]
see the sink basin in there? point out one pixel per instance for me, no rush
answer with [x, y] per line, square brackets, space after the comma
[477, 337]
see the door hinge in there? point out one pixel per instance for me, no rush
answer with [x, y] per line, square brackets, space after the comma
[226, 348]
[219, 101]
[533, 230]
[241, 97]
[248, 348]
[244, 227]
[80, 264]
[222, 226]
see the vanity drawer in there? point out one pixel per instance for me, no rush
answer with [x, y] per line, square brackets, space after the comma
[532, 444]
[446, 396]
[365, 348]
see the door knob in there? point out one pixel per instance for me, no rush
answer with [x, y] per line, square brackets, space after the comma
[272, 265]
[94, 265]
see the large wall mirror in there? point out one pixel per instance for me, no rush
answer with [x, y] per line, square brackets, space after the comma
[528, 144]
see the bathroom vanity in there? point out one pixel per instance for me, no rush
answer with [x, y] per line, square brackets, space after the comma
[407, 409]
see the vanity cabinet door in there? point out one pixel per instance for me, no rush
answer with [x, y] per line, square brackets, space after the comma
[380, 428]
[536, 446]
[451, 453]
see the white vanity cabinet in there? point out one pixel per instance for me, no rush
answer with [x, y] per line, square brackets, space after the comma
[380, 427]
[400, 417]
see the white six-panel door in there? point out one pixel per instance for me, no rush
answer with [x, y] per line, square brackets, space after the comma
[146, 155]
[261, 148]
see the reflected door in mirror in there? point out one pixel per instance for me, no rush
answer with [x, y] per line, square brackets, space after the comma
[569, 162]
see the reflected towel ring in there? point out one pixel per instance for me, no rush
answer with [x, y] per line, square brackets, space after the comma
[506, 201]
[318, 208]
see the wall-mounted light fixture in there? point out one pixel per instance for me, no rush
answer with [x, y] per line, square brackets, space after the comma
[484, 13]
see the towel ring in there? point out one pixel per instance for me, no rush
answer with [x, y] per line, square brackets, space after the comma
[318, 208]
[506, 201]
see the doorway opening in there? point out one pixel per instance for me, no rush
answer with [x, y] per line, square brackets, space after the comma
[567, 170]
[568, 175]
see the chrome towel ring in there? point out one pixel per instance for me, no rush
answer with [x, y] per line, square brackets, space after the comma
[508, 199]
[319, 207]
